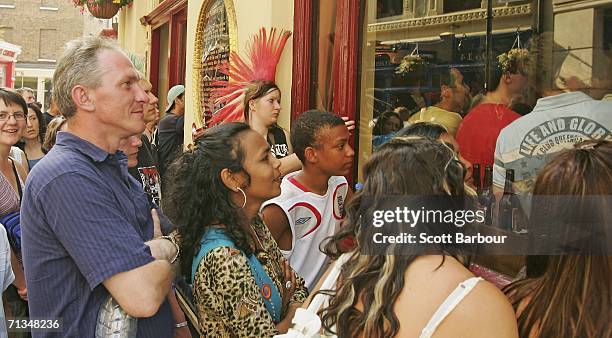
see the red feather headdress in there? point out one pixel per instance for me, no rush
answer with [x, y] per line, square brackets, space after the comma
[263, 55]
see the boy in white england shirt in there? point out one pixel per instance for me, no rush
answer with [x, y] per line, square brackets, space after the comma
[311, 204]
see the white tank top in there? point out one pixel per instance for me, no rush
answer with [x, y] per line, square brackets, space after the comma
[449, 304]
[312, 218]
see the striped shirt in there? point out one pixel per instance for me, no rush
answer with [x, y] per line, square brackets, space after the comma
[84, 219]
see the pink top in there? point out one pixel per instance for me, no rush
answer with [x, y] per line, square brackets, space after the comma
[9, 198]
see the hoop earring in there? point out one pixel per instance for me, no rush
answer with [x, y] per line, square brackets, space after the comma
[244, 196]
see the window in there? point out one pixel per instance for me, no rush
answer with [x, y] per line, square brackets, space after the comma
[6, 34]
[569, 45]
[7, 3]
[456, 6]
[47, 49]
[49, 5]
[388, 8]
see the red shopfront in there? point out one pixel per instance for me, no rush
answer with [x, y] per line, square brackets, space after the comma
[168, 23]
[326, 45]
[8, 58]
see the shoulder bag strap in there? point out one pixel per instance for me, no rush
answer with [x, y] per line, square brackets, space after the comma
[18, 180]
[214, 238]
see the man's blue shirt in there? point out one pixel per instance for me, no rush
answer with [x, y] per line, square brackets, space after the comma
[84, 219]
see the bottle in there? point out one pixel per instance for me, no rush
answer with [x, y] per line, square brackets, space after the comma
[476, 178]
[487, 199]
[510, 206]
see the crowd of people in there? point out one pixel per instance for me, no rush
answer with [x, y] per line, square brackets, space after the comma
[263, 224]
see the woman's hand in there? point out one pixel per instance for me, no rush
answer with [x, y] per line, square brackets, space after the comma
[284, 325]
[289, 286]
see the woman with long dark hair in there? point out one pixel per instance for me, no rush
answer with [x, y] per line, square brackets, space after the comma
[34, 135]
[241, 283]
[573, 296]
[427, 288]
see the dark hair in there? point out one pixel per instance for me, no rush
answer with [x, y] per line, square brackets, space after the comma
[521, 108]
[42, 125]
[255, 90]
[401, 167]
[307, 127]
[382, 119]
[423, 129]
[572, 297]
[197, 197]
[9, 96]
[448, 78]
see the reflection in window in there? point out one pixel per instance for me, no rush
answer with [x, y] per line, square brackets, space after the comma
[420, 8]
[456, 6]
[387, 8]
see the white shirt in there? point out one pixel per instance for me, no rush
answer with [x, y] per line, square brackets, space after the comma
[312, 218]
[555, 124]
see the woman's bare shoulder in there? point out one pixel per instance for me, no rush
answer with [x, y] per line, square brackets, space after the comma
[484, 312]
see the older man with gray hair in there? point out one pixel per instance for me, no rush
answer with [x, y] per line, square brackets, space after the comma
[27, 94]
[87, 226]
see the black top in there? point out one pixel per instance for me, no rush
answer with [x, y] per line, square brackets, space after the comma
[146, 171]
[48, 118]
[278, 142]
[170, 140]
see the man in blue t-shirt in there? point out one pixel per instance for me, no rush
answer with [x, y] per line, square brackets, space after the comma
[87, 227]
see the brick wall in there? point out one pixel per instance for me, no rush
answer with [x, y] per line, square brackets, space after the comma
[41, 33]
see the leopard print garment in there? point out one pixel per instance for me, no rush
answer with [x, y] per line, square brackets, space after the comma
[227, 297]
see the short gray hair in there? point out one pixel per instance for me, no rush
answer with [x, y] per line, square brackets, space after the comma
[79, 66]
[22, 90]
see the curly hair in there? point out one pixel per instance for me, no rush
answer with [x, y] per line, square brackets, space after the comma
[306, 128]
[417, 167]
[197, 197]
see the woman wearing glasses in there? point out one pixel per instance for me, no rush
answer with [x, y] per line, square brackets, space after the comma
[13, 112]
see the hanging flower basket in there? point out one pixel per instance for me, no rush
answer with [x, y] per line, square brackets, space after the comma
[102, 9]
[412, 63]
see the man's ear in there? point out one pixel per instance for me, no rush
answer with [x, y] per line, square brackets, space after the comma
[230, 180]
[82, 99]
[310, 155]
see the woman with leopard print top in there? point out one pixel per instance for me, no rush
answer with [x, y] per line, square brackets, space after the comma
[243, 287]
